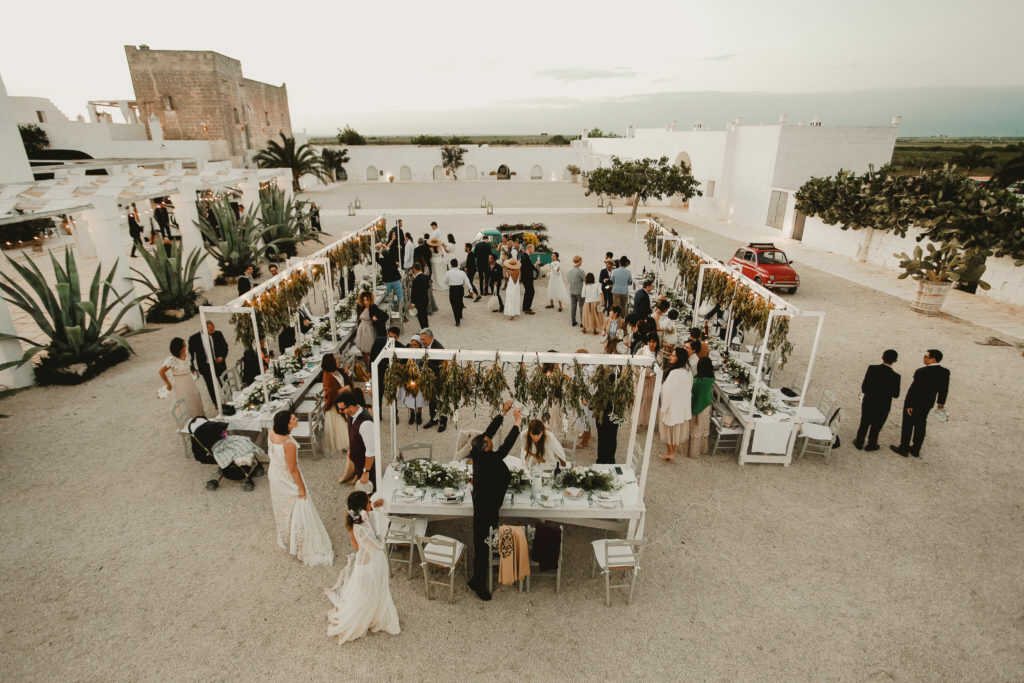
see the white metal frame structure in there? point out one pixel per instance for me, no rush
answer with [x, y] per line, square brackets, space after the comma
[238, 305]
[782, 309]
[593, 359]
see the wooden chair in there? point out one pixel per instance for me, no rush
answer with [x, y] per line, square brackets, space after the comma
[443, 552]
[616, 555]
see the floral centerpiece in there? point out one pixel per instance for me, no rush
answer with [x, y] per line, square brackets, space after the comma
[290, 363]
[738, 371]
[763, 402]
[252, 396]
[586, 479]
[430, 474]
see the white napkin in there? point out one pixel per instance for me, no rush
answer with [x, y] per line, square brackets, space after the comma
[771, 437]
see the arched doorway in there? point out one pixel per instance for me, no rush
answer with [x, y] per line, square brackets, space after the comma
[504, 173]
[536, 172]
[469, 172]
[405, 173]
[438, 173]
[371, 173]
[684, 158]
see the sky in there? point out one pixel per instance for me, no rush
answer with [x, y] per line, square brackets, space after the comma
[407, 67]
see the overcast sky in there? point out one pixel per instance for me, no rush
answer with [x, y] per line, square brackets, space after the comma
[347, 62]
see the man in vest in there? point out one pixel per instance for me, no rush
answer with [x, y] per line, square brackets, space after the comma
[362, 443]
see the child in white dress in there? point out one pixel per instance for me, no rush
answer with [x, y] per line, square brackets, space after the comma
[362, 596]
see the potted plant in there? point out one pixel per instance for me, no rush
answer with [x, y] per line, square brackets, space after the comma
[936, 269]
[574, 171]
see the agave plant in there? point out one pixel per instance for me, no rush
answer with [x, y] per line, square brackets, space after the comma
[237, 242]
[947, 263]
[301, 160]
[77, 329]
[172, 287]
[288, 220]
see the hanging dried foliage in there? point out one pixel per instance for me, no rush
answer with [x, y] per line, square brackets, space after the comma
[492, 385]
[521, 390]
[401, 374]
[577, 390]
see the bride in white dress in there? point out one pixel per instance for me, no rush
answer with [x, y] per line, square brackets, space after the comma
[299, 529]
[557, 291]
[362, 596]
[514, 290]
[438, 266]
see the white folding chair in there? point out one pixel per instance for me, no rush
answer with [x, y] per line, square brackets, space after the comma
[403, 532]
[443, 552]
[417, 446]
[535, 570]
[818, 414]
[181, 418]
[616, 555]
[308, 432]
[818, 438]
[726, 439]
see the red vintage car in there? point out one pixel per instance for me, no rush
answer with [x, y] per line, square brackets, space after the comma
[766, 265]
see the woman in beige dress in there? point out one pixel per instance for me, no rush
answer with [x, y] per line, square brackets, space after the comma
[593, 321]
[335, 425]
[674, 413]
[177, 375]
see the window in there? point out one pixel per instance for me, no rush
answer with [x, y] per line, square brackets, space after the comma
[266, 116]
[772, 258]
[740, 254]
[237, 120]
[41, 115]
[710, 192]
[168, 103]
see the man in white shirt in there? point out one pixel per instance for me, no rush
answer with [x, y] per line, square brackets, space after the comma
[457, 282]
[362, 443]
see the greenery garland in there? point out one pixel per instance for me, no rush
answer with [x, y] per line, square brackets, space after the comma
[521, 389]
[586, 479]
[492, 385]
[430, 474]
[577, 391]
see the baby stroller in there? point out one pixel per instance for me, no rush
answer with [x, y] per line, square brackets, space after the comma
[236, 457]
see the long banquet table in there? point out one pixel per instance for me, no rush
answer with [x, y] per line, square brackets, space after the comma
[627, 510]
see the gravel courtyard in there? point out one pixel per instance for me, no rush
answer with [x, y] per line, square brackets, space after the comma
[119, 565]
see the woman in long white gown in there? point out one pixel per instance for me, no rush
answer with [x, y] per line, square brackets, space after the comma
[182, 383]
[299, 529]
[362, 595]
[557, 291]
[438, 266]
[513, 290]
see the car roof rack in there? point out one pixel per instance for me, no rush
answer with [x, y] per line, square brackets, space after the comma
[762, 245]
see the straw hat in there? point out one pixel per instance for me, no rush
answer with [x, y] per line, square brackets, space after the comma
[577, 260]
[434, 242]
[510, 264]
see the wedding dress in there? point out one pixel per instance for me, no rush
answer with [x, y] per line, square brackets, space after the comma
[557, 290]
[438, 268]
[513, 298]
[362, 595]
[299, 529]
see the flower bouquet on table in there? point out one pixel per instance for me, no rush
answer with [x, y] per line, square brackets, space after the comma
[519, 480]
[290, 363]
[252, 395]
[586, 479]
[763, 403]
[430, 474]
[321, 328]
[738, 371]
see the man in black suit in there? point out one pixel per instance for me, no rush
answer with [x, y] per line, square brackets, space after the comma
[495, 277]
[880, 386]
[527, 273]
[642, 299]
[163, 219]
[420, 293]
[482, 253]
[929, 388]
[429, 342]
[422, 254]
[397, 238]
[197, 353]
[490, 481]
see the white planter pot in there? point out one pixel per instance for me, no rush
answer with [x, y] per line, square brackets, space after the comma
[930, 297]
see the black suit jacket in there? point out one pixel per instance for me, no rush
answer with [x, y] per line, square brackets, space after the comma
[198, 353]
[642, 302]
[490, 474]
[422, 254]
[930, 385]
[421, 291]
[482, 251]
[163, 219]
[528, 270]
[244, 284]
[881, 384]
[389, 265]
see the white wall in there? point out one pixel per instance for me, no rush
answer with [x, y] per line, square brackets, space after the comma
[14, 166]
[879, 248]
[806, 151]
[745, 189]
[421, 161]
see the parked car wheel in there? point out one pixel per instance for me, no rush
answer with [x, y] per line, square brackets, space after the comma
[791, 290]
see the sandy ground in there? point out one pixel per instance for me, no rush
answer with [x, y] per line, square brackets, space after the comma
[119, 565]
